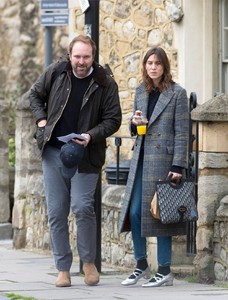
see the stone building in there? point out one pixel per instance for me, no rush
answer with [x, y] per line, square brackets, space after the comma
[194, 34]
[22, 56]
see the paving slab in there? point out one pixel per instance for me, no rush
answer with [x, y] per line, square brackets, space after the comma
[32, 274]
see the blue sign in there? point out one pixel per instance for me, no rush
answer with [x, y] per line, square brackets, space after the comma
[50, 5]
[54, 19]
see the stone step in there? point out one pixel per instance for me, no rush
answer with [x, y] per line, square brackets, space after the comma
[181, 271]
[6, 231]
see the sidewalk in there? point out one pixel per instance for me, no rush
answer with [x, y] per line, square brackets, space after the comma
[31, 274]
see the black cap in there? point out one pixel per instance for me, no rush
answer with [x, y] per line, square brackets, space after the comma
[71, 154]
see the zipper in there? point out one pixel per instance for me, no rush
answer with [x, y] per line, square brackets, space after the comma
[86, 97]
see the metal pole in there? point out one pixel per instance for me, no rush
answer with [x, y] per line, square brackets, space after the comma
[92, 23]
[192, 173]
[92, 30]
[97, 207]
[48, 46]
[118, 142]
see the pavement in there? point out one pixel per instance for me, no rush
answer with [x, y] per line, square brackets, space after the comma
[32, 274]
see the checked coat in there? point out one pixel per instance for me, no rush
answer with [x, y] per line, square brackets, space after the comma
[165, 144]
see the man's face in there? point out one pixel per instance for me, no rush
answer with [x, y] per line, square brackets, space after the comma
[81, 59]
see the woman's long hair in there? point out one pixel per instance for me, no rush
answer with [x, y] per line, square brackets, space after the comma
[166, 79]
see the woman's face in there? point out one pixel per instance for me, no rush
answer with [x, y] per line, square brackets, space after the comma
[154, 69]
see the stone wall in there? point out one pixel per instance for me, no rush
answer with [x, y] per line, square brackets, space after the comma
[212, 246]
[22, 47]
[212, 233]
[4, 174]
[220, 239]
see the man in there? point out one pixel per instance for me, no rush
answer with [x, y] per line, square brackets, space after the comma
[75, 96]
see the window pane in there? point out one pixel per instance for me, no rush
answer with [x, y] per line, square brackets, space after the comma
[225, 44]
[225, 78]
[225, 12]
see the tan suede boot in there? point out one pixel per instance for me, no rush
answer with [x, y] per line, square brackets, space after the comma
[91, 274]
[63, 279]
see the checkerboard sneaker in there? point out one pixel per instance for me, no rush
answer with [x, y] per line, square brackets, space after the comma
[135, 276]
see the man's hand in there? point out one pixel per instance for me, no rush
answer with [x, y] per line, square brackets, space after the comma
[42, 123]
[85, 142]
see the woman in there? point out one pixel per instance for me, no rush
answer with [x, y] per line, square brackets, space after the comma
[161, 152]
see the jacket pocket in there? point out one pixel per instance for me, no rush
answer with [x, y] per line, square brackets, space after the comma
[39, 136]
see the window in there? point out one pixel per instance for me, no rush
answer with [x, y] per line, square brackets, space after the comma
[224, 44]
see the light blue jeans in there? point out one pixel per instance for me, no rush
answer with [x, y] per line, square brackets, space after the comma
[164, 243]
[62, 195]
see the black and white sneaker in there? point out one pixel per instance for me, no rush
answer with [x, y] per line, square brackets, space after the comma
[136, 275]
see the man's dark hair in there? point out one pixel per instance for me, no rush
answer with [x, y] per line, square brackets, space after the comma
[84, 39]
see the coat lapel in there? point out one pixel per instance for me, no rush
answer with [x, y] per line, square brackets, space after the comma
[163, 101]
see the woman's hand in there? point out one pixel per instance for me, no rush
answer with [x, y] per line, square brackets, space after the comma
[174, 176]
[138, 118]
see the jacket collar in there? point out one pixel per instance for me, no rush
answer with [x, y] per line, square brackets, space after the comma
[99, 74]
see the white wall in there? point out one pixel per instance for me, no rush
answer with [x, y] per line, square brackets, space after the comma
[196, 41]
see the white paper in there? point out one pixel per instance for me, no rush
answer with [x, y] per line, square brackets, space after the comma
[84, 5]
[69, 137]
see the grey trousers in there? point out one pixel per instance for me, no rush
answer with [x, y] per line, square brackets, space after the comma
[63, 194]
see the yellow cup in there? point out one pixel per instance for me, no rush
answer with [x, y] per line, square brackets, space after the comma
[141, 129]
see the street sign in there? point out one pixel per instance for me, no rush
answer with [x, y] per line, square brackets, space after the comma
[54, 19]
[50, 5]
[54, 13]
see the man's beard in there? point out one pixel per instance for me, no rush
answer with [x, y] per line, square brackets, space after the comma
[81, 73]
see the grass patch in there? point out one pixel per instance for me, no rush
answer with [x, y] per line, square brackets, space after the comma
[192, 279]
[18, 297]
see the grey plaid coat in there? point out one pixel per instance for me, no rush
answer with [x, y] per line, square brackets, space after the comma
[166, 144]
